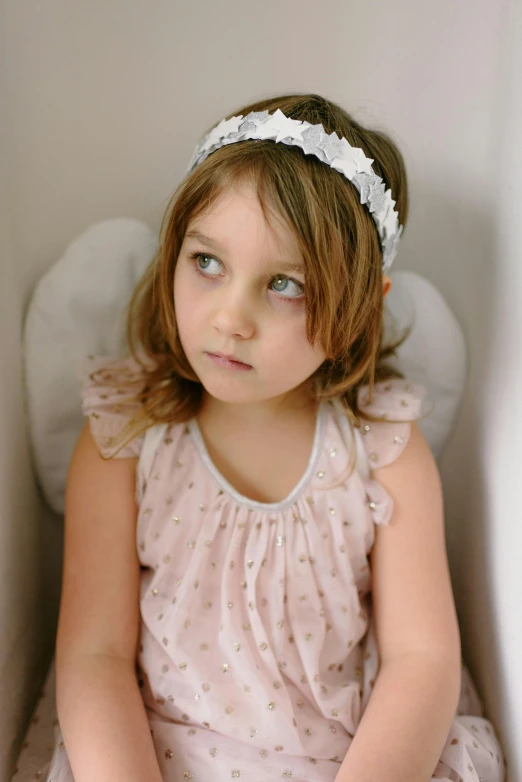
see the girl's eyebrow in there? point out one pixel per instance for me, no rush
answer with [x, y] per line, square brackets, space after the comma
[199, 237]
[286, 266]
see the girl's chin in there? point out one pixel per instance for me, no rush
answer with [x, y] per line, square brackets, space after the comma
[236, 389]
[241, 394]
[230, 395]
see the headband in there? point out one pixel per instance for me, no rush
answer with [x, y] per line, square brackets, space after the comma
[329, 148]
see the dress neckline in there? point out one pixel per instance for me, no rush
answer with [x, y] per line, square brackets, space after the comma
[241, 499]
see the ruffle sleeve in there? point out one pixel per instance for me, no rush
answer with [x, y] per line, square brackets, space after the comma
[107, 401]
[396, 403]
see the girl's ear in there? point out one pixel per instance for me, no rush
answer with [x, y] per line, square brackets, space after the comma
[386, 285]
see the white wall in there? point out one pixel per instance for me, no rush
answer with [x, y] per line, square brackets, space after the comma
[106, 101]
[501, 409]
[27, 608]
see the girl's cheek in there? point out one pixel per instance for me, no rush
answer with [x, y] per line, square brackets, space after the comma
[290, 308]
[184, 286]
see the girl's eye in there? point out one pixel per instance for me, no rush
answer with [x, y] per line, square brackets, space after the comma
[287, 287]
[206, 264]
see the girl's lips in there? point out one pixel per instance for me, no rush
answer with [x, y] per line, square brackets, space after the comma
[228, 362]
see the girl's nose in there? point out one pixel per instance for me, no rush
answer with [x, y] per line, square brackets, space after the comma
[233, 316]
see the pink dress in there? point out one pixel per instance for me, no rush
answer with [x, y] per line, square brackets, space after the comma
[257, 653]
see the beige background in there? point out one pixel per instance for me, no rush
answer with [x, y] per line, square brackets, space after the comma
[102, 104]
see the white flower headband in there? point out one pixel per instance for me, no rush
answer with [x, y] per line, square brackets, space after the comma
[329, 148]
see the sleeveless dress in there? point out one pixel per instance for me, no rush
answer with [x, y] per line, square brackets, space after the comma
[258, 654]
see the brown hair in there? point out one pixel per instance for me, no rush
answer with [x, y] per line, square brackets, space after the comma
[339, 244]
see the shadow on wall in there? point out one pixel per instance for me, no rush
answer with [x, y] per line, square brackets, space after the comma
[467, 281]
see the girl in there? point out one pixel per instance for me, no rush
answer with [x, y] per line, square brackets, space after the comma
[255, 581]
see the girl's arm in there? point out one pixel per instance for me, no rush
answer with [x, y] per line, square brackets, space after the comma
[100, 709]
[407, 719]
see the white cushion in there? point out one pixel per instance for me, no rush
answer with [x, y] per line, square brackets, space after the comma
[434, 354]
[77, 309]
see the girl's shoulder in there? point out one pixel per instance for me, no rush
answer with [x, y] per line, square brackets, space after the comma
[108, 388]
[386, 418]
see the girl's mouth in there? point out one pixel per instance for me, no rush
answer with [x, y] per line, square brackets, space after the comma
[228, 362]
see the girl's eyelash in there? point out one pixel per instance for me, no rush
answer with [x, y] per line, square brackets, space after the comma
[196, 255]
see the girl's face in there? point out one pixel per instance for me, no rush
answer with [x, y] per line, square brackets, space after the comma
[240, 303]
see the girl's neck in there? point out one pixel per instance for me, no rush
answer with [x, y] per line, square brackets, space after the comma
[261, 450]
[299, 402]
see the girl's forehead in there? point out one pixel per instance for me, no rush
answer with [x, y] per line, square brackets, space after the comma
[241, 196]
[236, 216]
